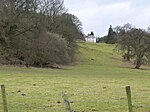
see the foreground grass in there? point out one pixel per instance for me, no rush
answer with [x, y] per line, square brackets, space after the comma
[97, 84]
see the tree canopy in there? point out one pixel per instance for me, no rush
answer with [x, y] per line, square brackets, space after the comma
[135, 43]
[25, 27]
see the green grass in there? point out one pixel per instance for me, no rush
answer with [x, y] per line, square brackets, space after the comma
[96, 84]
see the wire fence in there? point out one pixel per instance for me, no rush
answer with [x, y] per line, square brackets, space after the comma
[74, 102]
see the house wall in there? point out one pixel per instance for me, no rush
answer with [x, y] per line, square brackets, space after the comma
[91, 40]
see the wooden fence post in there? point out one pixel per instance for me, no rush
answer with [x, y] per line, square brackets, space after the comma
[66, 102]
[128, 91]
[4, 98]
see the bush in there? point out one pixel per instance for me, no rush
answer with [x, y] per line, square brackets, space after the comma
[47, 50]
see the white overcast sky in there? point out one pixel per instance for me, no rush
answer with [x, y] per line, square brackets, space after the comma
[98, 15]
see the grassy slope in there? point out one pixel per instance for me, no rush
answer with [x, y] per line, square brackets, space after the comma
[97, 84]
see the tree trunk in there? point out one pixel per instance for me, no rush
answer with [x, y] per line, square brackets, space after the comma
[138, 63]
[128, 54]
[126, 57]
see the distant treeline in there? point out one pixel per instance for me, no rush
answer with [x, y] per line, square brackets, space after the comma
[37, 33]
[133, 42]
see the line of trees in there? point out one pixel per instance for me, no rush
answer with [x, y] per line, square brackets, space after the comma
[133, 42]
[37, 33]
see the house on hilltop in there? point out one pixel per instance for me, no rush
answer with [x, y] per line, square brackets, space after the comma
[90, 38]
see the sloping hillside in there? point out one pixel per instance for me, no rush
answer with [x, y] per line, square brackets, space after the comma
[99, 54]
[96, 84]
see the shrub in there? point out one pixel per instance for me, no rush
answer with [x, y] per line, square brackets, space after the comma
[47, 50]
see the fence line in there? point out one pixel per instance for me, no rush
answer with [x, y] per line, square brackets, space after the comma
[128, 91]
[4, 98]
[67, 102]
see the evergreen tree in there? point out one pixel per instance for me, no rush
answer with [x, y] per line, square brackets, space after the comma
[111, 38]
[110, 32]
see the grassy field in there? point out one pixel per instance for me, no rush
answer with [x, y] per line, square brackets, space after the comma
[96, 84]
